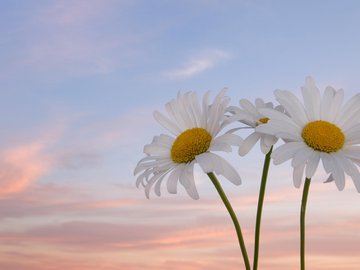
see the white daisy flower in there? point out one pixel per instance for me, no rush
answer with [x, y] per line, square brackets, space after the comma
[321, 129]
[249, 115]
[196, 131]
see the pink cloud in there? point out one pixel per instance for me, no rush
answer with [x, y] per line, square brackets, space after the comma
[20, 166]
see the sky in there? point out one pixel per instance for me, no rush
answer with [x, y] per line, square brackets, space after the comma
[79, 81]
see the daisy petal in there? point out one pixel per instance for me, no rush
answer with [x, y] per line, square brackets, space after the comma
[173, 180]
[248, 143]
[285, 152]
[301, 156]
[222, 167]
[292, 105]
[298, 175]
[187, 180]
[205, 162]
[166, 123]
[311, 96]
[312, 164]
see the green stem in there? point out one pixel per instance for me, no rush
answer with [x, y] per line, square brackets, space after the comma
[302, 222]
[259, 207]
[233, 217]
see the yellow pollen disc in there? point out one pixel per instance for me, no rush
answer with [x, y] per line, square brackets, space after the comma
[189, 144]
[323, 136]
[264, 120]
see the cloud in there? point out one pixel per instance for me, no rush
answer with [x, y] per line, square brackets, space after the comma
[198, 64]
[20, 166]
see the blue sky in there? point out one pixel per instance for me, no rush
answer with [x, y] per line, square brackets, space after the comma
[79, 81]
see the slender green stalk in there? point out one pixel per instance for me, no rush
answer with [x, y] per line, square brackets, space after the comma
[302, 222]
[259, 208]
[233, 217]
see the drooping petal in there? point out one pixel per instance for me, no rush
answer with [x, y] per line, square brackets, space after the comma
[298, 175]
[173, 180]
[205, 162]
[312, 164]
[188, 181]
[286, 151]
[339, 175]
[248, 143]
[266, 142]
[222, 167]
[301, 156]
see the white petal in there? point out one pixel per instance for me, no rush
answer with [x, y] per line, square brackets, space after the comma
[301, 156]
[187, 180]
[195, 108]
[167, 123]
[259, 103]
[311, 96]
[277, 116]
[326, 103]
[151, 182]
[339, 175]
[349, 110]
[335, 106]
[298, 175]
[327, 162]
[222, 167]
[269, 140]
[248, 106]
[266, 142]
[230, 139]
[156, 150]
[158, 183]
[293, 106]
[175, 110]
[352, 152]
[205, 109]
[356, 179]
[352, 134]
[280, 130]
[220, 146]
[349, 168]
[173, 180]
[248, 143]
[312, 164]
[286, 151]
[265, 148]
[205, 162]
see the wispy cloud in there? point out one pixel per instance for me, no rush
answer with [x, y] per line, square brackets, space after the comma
[20, 166]
[198, 64]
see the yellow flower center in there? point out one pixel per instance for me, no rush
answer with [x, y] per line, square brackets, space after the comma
[189, 144]
[323, 136]
[264, 120]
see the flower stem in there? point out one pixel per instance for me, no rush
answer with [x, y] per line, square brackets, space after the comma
[233, 217]
[260, 206]
[302, 222]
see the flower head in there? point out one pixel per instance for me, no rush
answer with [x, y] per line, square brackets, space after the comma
[250, 115]
[195, 129]
[319, 129]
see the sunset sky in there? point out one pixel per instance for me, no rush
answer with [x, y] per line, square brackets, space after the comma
[79, 81]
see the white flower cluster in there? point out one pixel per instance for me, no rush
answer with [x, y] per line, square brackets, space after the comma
[319, 128]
